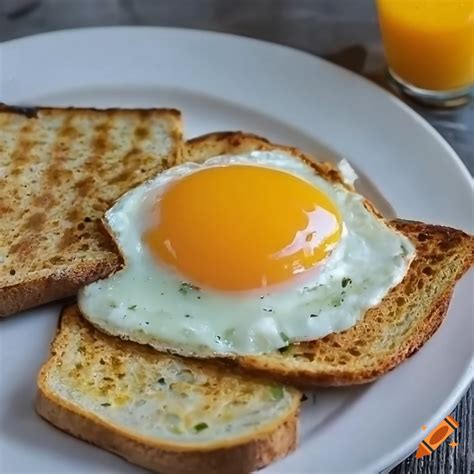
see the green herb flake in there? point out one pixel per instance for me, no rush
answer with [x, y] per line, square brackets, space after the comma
[313, 315]
[337, 301]
[346, 281]
[113, 305]
[161, 380]
[105, 404]
[284, 337]
[186, 287]
[282, 350]
[276, 392]
[200, 426]
[132, 307]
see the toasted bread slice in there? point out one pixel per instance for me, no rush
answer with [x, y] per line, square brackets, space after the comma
[388, 333]
[162, 412]
[60, 169]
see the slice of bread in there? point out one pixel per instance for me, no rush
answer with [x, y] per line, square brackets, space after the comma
[388, 333]
[162, 412]
[60, 169]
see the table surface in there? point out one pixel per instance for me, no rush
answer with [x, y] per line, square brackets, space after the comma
[343, 31]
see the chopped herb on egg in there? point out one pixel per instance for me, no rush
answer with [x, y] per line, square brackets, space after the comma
[268, 310]
[307, 289]
[113, 305]
[284, 337]
[186, 287]
[281, 350]
[147, 322]
[187, 315]
[313, 315]
[218, 338]
[161, 380]
[337, 301]
[200, 426]
[276, 392]
[105, 404]
[346, 281]
[132, 307]
[404, 250]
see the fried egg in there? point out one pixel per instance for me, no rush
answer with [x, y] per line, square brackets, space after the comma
[243, 254]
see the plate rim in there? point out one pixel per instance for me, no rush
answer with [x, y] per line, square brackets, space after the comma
[464, 382]
[126, 28]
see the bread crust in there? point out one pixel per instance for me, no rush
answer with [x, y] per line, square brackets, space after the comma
[52, 286]
[221, 143]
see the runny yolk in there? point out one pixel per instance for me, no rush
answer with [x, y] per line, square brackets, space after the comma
[242, 227]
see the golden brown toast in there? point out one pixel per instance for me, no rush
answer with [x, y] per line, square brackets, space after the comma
[162, 412]
[388, 333]
[60, 169]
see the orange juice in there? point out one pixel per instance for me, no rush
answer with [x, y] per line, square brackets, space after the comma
[429, 43]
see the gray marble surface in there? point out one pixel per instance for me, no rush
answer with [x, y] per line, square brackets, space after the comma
[343, 31]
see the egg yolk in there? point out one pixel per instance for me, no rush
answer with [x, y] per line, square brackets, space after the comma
[242, 227]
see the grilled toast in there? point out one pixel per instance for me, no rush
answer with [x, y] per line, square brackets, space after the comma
[60, 169]
[389, 333]
[162, 412]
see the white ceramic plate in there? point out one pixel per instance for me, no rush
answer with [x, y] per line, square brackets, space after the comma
[226, 82]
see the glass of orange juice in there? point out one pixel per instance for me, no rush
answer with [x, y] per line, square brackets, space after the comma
[429, 45]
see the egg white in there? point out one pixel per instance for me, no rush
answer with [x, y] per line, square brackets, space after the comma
[149, 303]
